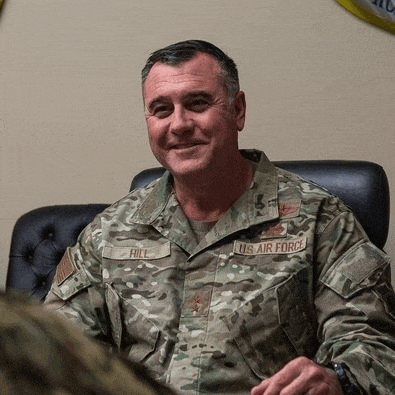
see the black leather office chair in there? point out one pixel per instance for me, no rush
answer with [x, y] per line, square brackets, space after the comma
[41, 236]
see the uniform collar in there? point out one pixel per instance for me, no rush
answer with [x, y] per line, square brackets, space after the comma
[258, 204]
[156, 200]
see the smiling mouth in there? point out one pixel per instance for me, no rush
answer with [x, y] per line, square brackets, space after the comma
[185, 146]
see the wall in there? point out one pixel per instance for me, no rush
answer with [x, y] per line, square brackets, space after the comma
[319, 84]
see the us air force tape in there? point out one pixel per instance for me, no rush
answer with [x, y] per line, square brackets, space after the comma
[377, 12]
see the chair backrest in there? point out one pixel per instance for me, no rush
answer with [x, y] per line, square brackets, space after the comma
[41, 236]
[39, 240]
[361, 185]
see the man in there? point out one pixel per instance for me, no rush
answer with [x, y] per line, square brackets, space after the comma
[40, 354]
[228, 275]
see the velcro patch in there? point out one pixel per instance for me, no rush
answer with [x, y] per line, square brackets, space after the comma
[289, 209]
[127, 253]
[65, 268]
[279, 230]
[196, 303]
[288, 246]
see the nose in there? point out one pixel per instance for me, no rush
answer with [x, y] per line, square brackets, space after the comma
[180, 121]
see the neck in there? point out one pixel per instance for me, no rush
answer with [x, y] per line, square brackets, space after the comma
[206, 198]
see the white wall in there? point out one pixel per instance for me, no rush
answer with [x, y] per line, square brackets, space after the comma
[319, 84]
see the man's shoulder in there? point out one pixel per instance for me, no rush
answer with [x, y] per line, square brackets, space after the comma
[313, 200]
[289, 180]
[312, 197]
[128, 204]
[293, 180]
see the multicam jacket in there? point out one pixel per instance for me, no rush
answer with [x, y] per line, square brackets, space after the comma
[287, 271]
[40, 354]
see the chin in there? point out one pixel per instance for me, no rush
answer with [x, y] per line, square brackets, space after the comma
[187, 169]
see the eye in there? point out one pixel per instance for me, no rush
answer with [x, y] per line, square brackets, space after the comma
[161, 110]
[198, 104]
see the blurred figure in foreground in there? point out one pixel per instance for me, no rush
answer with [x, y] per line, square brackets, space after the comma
[42, 355]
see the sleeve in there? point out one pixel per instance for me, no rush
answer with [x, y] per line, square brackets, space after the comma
[355, 302]
[77, 291]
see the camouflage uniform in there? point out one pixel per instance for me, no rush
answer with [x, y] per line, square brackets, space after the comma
[42, 355]
[287, 271]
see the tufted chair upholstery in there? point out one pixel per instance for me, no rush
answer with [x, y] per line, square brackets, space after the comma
[39, 240]
[41, 236]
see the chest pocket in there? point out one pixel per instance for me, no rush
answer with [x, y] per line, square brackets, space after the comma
[123, 314]
[146, 333]
[140, 301]
[274, 328]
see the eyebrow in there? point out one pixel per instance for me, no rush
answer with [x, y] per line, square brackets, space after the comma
[188, 96]
[198, 93]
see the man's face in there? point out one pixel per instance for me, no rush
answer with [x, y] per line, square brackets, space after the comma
[192, 125]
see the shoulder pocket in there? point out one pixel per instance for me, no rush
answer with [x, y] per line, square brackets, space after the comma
[361, 267]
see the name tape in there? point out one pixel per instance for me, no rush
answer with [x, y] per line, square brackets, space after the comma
[288, 246]
[127, 253]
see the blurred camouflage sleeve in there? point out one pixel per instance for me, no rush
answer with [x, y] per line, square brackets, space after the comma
[77, 289]
[355, 302]
[42, 354]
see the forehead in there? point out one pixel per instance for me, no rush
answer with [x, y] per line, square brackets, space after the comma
[202, 72]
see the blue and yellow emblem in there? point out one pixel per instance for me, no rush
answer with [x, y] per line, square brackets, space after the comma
[377, 12]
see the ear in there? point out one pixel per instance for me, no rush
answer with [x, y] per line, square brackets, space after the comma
[240, 110]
